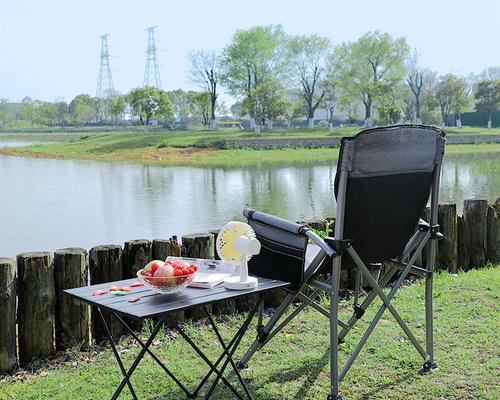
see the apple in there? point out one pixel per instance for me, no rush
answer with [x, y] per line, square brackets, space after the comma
[153, 266]
[164, 276]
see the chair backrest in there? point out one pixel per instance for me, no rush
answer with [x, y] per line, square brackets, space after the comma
[389, 173]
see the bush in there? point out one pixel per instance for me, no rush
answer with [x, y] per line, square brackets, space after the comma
[162, 145]
[323, 124]
[431, 118]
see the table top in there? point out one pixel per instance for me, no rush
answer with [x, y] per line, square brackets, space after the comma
[154, 304]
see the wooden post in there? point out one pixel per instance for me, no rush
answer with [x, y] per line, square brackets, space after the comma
[8, 345]
[447, 246]
[136, 254]
[105, 265]
[493, 243]
[475, 215]
[462, 246]
[198, 245]
[215, 232]
[36, 306]
[72, 316]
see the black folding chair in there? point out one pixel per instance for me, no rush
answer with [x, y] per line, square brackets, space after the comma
[383, 182]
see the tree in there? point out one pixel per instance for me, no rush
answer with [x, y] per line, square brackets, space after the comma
[4, 111]
[182, 104]
[488, 97]
[61, 112]
[28, 111]
[391, 105]
[205, 73]
[117, 107]
[47, 113]
[250, 58]
[369, 65]
[267, 103]
[149, 103]
[330, 98]
[305, 57]
[82, 109]
[419, 80]
[452, 96]
[202, 102]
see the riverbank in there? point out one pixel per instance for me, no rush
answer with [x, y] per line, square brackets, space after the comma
[201, 148]
[295, 366]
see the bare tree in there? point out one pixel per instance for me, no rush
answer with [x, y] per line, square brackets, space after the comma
[204, 72]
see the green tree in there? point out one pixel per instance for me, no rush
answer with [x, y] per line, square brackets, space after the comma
[117, 107]
[61, 112]
[4, 111]
[391, 105]
[82, 109]
[369, 65]
[28, 111]
[305, 57]
[182, 105]
[205, 72]
[202, 102]
[251, 57]
[488, 97]
[47, 113]
[451, 95]
[149, 103]
[267, 103]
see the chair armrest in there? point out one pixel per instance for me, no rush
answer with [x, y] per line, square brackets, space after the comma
[276, 222]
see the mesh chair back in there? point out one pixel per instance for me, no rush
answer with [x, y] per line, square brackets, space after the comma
[390, 172]
[283, 248]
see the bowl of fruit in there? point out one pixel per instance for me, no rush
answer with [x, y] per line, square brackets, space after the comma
[167, 277]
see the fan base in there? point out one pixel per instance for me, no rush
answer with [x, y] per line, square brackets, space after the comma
[234, 283]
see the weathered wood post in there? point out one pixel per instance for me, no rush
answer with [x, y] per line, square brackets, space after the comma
[447, 246]
[105, 265]
[136, 254]
[475, 215]
[162, 248]
[493, 245]
[8, 346]
[72, 316]
[462, 244]
[35, 273]
[198, 245]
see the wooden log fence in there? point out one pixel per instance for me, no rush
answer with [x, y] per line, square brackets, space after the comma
[46, 320]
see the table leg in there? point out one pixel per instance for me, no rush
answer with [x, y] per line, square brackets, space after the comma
[226, 351]
[239, 335]
[126, 376]
[158, 361]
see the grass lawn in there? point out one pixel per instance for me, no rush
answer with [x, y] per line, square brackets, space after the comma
[199, 148]
[295, 365]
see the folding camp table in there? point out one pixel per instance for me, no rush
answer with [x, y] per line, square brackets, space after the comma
[158, 306]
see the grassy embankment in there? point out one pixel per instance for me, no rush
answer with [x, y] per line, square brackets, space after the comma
[296, 365]
[201, 147]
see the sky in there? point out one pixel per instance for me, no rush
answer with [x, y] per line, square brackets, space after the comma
[50, 50]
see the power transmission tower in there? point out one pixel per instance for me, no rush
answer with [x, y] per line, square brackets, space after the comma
[152, 72]
[105, 85]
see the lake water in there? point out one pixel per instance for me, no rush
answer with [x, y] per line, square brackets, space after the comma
[48, 204]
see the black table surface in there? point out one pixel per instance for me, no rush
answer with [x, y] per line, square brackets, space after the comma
[154, 304]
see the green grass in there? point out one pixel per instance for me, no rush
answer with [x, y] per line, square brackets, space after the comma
[197, 148]
[296, 365]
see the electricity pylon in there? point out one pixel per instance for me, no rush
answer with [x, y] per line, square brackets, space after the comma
[105, 85]
[152, 72]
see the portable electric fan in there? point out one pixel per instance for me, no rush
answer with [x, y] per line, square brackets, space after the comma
[236, 244]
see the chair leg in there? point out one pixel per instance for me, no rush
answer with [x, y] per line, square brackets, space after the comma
[429, 364]
[264, 332]
[334, 331]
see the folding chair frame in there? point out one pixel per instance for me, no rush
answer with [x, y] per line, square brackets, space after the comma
[334, 248]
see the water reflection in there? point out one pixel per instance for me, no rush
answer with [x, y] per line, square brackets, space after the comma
[47, 204]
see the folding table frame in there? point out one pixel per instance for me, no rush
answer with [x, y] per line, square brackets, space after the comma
[159, 306]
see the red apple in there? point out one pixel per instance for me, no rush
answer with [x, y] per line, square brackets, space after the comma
[164, 276]
[153, 266]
